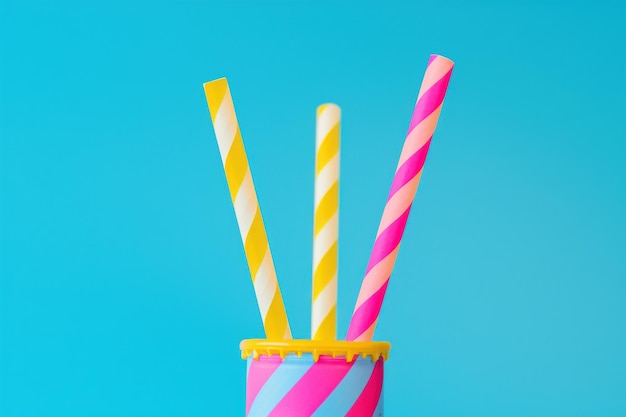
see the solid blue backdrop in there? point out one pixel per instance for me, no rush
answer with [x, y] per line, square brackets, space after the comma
[124, 288]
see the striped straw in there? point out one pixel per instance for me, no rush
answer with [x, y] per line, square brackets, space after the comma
[325, 223]
[247, 209]
[403, 188]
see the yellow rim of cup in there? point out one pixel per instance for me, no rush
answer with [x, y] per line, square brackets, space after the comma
[334, 348]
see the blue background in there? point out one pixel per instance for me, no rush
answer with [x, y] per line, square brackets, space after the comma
[124, 288]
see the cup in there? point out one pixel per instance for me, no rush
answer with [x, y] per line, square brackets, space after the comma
[305, 378]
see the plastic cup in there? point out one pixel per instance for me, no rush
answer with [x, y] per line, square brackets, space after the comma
[304, 378]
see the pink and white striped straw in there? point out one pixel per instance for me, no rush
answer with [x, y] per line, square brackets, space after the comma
[403, 188]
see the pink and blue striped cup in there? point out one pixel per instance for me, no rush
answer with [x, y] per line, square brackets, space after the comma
[305, 378]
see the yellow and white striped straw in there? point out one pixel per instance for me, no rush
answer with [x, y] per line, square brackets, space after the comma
[326, 223]
[247, 209]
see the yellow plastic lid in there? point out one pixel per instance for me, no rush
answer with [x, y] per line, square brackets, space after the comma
[334, 348]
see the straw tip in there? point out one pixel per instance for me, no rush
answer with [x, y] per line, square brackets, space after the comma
[215, 82]
[440, 57]
[332, 107]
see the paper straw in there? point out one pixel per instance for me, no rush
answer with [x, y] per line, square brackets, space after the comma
[326, 223]
[403, 188]
[247, 209]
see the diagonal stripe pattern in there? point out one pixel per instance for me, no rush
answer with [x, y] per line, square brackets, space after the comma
[247, 210]
[325, 223]
[300, 387]
[400, 199]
